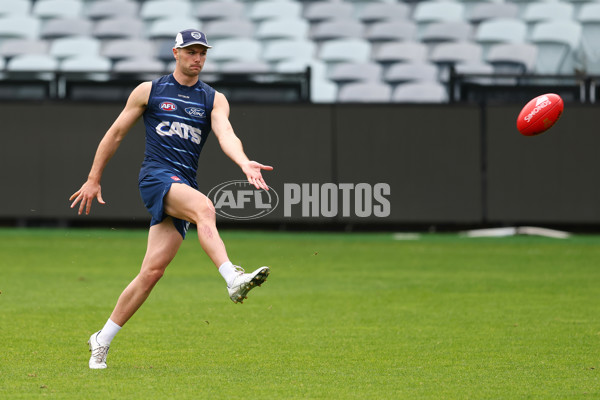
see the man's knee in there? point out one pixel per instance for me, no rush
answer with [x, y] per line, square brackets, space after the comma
[205, 212]
[150, 277]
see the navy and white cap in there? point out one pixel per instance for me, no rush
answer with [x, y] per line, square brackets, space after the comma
[189, 37]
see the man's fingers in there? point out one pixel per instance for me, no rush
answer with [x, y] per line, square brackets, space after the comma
[258, 183]
[74, 195]
[263, 184]
[81, 206]
[75, 202]
[253, 182]
[99, 198]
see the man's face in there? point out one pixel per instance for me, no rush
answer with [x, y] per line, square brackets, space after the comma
[190, 59]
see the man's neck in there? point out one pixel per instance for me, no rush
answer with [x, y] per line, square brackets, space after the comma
[185, 80]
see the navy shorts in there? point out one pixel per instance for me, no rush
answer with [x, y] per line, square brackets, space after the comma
[153, 187]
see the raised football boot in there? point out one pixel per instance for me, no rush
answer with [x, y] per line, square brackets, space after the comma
[243, 283]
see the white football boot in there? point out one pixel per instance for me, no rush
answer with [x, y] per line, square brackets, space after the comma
[99, 352]
[243, 283]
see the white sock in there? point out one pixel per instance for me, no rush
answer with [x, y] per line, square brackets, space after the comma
[228, 272]
[108, 333]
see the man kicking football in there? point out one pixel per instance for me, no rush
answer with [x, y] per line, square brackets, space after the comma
[179, 111]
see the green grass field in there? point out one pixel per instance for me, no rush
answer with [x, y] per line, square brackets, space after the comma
[342, 316]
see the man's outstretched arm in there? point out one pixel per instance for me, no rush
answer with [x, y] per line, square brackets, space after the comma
[109, 144]
[232, 145]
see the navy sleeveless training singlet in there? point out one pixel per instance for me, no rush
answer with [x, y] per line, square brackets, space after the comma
[177, 121]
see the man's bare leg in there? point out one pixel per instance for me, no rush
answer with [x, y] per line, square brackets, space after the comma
[163, 242]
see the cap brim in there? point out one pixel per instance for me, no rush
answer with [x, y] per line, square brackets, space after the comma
[193, 43]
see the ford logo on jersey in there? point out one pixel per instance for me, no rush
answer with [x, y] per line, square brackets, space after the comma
[195, 112]
[168, 106]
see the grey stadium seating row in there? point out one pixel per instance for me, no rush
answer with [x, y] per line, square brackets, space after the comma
[375, 51]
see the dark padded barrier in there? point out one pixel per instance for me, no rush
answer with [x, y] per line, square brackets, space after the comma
[48, 151]
[295, 140]
[551, 178]
[431, 156]
[428, 154]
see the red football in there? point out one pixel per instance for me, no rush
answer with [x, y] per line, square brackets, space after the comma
[540, 114]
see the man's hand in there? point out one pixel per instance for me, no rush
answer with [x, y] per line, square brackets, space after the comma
[88, 192]
[252, 170]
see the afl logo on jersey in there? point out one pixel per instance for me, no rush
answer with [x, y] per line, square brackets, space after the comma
[168, 106]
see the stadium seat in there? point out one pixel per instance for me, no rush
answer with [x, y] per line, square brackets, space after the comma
[385, 31]
[294, 65]
[282, 50]
[371, 92]
[37, 66]
[400, 73]
[74, 46]
[512, 58]
[589, 18]
[14, 47]
[245, 67]
[483, 11]
[447, 31]
[164, 50]
[500, 30]
[240, 49]
[285, 28]
[429, 11]
[557, 42]
[57, 8]
[101, 9]
[32, 63]
[375, 12]
[214, 10]
[456, 52]
[448, 55]
[142, 68]
[156, 9]
[167, 28]
[394, 52]
[268, 9]
[322, 91]
[337, 29]
[344, 50]
[66, 26]
[344, 73]
[324, 10]
[15, 7]
[139, 65]
[87, 67]
[128, 48]
[125, 27]
[474, 68]
[21, 26]
[547, 11]
[86, 64]
[228, 29]
[420, 92]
